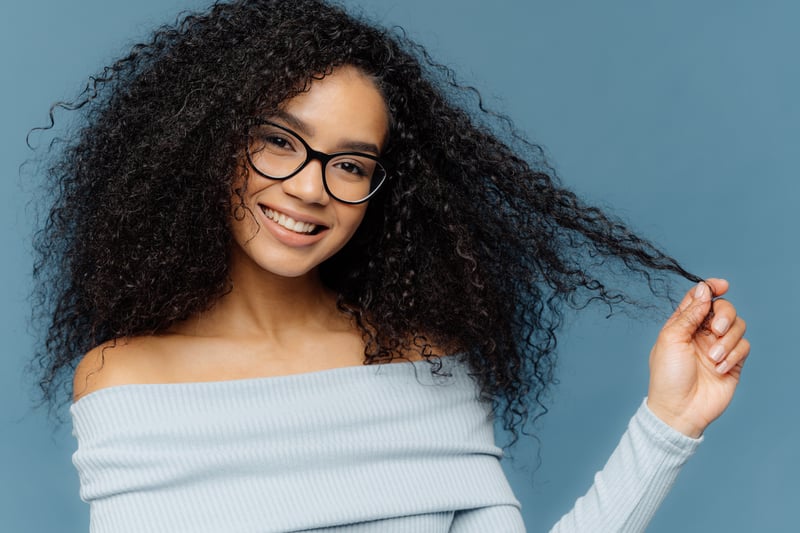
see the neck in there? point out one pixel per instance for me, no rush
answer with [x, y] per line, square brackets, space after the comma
[266, 305]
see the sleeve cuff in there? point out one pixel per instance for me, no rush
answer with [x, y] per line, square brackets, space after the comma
[662, 434]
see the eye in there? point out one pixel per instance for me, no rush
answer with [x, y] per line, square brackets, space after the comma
[277, 142]
[273, 140]
[352, 167]
[280, 142]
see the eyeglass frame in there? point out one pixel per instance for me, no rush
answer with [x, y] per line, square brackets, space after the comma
[322, 157]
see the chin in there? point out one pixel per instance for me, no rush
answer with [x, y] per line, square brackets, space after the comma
[291, 272]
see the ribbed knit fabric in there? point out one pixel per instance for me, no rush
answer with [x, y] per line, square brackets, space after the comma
[380, 448]
[633, 483]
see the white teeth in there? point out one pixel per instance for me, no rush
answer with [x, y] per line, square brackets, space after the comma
[288, 222]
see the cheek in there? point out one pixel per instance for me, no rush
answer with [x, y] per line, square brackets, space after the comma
[353, 219]
[243, 222]
[242, 190]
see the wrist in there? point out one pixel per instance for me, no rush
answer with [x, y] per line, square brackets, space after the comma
[676, 421]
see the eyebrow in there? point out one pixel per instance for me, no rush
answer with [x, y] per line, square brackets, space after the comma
[306, 129]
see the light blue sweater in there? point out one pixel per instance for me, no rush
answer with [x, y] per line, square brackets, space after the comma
[380, 448]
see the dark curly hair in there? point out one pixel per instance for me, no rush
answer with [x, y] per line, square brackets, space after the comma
[473, 245]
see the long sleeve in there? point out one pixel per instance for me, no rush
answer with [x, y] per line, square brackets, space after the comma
[634, 481]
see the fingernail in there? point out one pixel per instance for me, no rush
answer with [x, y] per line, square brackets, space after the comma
[722, 367]
[700, 291]
[721, 325]
[716, 353]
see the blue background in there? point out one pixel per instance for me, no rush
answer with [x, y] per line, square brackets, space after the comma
[682, 116]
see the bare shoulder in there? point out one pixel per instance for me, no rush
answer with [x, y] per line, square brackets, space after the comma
[116, 362]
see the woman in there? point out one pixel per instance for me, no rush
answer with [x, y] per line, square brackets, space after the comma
[267, 196]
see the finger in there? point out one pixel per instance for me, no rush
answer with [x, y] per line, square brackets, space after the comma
[724, 316]
[723, 346]
[718, 286]
[735, 358]
[685, 303]
[690, 314]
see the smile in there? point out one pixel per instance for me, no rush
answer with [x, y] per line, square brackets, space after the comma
[288, 222]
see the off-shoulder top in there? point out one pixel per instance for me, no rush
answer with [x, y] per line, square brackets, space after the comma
[384, 448]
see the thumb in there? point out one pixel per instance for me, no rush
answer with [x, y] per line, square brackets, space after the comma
[690, 314]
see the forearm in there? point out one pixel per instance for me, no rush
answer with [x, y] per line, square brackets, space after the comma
[634, 481]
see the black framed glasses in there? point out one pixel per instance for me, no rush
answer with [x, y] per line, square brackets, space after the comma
[278, 153]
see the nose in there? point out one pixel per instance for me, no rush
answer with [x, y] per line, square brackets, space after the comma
[307, 184]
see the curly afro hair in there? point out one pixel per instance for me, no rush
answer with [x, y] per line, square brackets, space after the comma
[473, 244]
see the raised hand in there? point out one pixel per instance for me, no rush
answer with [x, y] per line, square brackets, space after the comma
[694, 371]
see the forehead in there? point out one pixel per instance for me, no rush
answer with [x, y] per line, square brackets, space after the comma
[343, 103]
